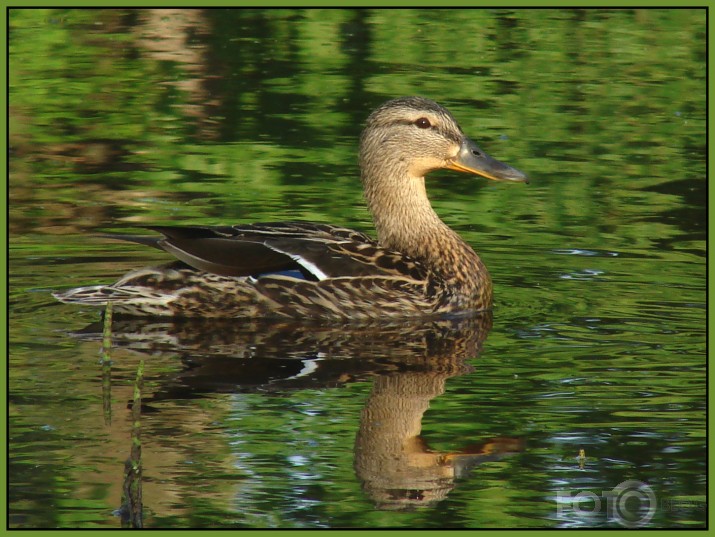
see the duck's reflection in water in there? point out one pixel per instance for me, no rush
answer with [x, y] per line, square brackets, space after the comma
[409, 362]
[392, 460]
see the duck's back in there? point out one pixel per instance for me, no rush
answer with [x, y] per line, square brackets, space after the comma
[291, 269]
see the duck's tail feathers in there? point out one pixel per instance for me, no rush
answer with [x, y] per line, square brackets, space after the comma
[99, 295]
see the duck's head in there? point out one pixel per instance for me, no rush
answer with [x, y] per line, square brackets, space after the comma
[412, 136]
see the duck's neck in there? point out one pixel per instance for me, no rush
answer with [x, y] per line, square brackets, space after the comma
[405, 221]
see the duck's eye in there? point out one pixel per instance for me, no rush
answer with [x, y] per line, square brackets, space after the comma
[423, 123]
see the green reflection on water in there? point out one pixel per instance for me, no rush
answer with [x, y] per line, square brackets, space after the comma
[121, 118]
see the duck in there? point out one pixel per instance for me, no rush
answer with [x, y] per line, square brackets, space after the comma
[417, 266]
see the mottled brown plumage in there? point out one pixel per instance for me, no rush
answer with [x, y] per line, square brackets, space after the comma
[417, 266]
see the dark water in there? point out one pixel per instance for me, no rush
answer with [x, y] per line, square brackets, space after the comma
[120, 118]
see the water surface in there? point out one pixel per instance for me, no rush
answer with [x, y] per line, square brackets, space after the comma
[123, 118]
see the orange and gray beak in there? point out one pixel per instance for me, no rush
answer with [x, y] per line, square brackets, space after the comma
[471, 159]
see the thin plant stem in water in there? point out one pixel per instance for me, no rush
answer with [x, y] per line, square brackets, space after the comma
[132, 508]
[106, 361]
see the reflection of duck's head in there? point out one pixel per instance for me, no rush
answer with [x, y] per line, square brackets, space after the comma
[397, 468]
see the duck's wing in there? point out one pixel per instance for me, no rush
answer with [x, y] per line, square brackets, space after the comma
[319, 251]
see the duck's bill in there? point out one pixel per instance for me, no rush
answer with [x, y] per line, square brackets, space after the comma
[471, 159]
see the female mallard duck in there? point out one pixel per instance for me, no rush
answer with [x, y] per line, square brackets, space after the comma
[417, 266]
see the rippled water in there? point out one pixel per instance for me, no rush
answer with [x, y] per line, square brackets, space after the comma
[122, 118]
